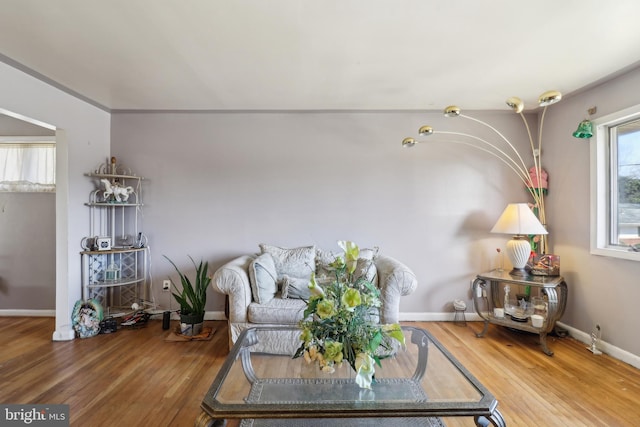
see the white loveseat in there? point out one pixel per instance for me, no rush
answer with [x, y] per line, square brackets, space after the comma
[248, 306]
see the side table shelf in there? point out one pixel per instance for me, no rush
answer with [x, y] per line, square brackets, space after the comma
[120, 288]
[488, 293]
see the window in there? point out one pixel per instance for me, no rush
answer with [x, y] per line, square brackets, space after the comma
[27, 165]
[615, 185]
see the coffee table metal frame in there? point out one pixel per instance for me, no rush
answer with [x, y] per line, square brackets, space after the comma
[215, 411]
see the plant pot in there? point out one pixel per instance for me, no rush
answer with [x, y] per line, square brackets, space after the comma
[191, 324]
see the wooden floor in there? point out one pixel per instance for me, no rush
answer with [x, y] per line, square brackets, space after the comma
[134, 377]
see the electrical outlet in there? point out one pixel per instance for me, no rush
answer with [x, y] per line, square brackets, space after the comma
[166, 285]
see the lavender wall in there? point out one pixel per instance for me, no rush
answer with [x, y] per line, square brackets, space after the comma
[82, 141]
[602, 290]
[220, 183]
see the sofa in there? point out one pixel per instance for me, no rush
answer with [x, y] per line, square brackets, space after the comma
[270, 288]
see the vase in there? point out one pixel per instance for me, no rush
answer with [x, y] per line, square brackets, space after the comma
[191, 324]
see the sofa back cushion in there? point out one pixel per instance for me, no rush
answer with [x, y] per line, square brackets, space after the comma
[262, 276]
[297, 263]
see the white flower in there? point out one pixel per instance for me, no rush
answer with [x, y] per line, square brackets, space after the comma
[314, 287]
[365, 370]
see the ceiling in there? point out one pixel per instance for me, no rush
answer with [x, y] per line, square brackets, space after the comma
[318, 54]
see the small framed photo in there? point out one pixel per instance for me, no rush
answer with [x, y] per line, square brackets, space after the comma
[103, 243]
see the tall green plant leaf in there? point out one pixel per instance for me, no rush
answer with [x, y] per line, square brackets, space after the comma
[192, 299]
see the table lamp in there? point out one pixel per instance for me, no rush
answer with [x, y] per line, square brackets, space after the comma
[518, 220]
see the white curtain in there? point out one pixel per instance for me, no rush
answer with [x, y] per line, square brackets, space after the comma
[27, 167]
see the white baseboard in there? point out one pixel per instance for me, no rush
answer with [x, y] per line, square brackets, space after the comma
[215, 315]
[66, 333]
[27, 313]
[579, 335]
[437, 317]
[603, 346]
[209, 315]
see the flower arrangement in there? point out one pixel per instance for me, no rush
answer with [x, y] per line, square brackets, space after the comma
[341, 321]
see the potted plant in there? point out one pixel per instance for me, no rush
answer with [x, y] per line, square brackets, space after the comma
[192, 298]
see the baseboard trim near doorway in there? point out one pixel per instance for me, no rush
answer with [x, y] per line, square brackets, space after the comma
[27, 313]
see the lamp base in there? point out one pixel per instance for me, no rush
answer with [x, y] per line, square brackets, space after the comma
[519, 272]
[518, 251]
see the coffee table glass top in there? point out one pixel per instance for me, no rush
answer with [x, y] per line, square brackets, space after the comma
[422, 380]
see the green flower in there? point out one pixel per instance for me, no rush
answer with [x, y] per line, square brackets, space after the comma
[394, 331]
[351, 299]
[338, 263]
[325, 308]
[306, 336]
[333, 351]
[351, 252]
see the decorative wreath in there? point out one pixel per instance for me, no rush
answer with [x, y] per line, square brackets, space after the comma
[86, 318]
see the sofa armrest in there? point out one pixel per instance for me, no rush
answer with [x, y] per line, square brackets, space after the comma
[232, 279]
[394, 280]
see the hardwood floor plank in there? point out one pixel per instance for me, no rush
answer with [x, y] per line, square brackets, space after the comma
[135, 377]
[574, 387]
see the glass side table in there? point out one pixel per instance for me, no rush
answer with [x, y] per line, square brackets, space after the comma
[489, 293]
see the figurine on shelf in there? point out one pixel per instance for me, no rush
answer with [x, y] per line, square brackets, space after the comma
[113, 166]
[115, 190]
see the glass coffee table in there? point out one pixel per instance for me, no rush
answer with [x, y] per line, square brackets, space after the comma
[414, 387]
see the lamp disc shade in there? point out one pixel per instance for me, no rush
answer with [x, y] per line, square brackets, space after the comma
[585, 130]
[549, 97]
[518, 219]
[515, 104]
[425, 130]
[408, 142]
[452, 111]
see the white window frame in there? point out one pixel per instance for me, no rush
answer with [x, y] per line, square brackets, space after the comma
[600, 186]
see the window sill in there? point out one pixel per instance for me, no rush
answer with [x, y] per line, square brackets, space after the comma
[616, 253]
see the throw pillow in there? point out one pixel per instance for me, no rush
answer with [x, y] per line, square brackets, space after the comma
[364, 268]
[262, 276]
[293, 287]
[323, 259]
[296, 262]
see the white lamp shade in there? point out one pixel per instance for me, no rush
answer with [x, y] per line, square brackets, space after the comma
[518, 219]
